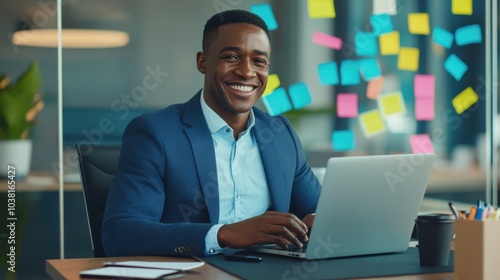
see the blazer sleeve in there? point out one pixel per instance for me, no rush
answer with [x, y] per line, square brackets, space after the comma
[132, 223]
[306, 187]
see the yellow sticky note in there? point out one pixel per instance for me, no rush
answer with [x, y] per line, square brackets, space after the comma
[392, 104]
[464, 100]
[389, 43]
[408, 59]
[273, 82]
[371, 123]
[321, 8]
[418, 23]
[461, 7]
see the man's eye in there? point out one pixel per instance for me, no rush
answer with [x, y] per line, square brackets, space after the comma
[231, 57]
[261, 62]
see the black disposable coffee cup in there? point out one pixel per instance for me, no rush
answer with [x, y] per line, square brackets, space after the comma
[434, 232]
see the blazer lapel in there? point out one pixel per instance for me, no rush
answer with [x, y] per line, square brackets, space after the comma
[204, 154]
[264, 136]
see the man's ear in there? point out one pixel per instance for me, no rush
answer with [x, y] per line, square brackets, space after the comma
[201, 60]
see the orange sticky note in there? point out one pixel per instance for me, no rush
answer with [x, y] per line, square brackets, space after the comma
[421, 144]
[374, 88]
[408, 59]
[392, 104]
[464, 100]
[389, 43]
[273, 82]
[371, 123]
[321, 8]
[461, 7]
[418, 23]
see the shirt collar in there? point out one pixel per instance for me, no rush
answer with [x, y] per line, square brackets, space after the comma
[215, 122]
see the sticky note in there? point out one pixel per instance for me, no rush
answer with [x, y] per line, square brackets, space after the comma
[343, 140]
[418, 23]
[371, 123]
[347, 105]
[328, 73]
[464, 100]
[321, 8]
[389, 43]
[469, 34]
[424, 85]
[421, 144]
[273, 82]
[424, 109]
[369, 68]
[461, 7]
[326, 40]
[381, 24]
[265, 11]
[366, 44]
[408, 59]
[299, 93]
[391, 104]
[385, 7]
[455, 66]
[442, 37]
[374, 88]
[277, 102]
[349, 72]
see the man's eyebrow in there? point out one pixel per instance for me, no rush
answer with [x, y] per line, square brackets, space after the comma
[259, 52]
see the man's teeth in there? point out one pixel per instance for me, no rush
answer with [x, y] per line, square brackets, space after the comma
[241, 88]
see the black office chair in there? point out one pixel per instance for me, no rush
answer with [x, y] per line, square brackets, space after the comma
[98, 167]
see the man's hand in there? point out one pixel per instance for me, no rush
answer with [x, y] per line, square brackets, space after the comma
[309, 220]
[269, 228]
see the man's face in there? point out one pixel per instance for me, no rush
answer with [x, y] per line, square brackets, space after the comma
[236, 68]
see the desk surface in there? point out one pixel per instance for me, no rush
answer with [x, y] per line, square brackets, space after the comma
[70, 269]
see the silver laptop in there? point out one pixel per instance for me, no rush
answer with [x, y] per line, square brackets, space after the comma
[367, 205]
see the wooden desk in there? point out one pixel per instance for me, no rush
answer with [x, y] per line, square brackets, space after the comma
[70, 269]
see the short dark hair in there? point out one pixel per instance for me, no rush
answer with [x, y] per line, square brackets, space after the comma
[210, 32]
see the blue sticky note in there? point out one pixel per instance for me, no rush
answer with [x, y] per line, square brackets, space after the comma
[366, 44]
[455, 66]
[277, 102]
[349, 72]
[381, 24]
[469, 34]
[370, 68]
[343, 140]
[265, 11]
[328, 73]
[442, 37]
[299, 93]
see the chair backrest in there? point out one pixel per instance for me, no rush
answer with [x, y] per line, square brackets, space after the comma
[98, 167]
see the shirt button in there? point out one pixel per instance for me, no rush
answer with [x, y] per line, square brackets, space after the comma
[238, 196]
[228, 130]
[211, 251]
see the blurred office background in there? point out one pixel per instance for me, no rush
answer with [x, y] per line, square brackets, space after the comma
[164, 36]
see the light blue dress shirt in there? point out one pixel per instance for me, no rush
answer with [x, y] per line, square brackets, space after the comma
[243, 191]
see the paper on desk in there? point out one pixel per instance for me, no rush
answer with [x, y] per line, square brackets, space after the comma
[161, 265]
[126, 272]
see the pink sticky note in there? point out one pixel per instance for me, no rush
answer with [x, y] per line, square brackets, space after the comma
[374, 88]
[424, 109]
[421, 144]
[326, 40]
[347, 105]
[424, 85]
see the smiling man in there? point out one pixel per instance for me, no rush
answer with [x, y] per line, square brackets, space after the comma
[214, 172]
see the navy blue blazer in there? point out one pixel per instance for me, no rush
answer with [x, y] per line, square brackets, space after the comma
[165, 197]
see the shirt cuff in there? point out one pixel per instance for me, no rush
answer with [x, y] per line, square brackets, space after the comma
[211, 244]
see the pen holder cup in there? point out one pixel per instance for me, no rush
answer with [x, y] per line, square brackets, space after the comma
[477, 249]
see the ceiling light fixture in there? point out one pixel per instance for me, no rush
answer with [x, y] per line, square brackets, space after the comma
[71, 38]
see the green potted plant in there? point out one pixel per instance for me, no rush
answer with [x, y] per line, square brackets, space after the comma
[20, 102]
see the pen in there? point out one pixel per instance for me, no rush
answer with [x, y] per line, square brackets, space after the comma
[454, 210]
[472, 213]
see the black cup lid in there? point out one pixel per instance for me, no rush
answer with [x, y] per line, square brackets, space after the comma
[435, 217]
